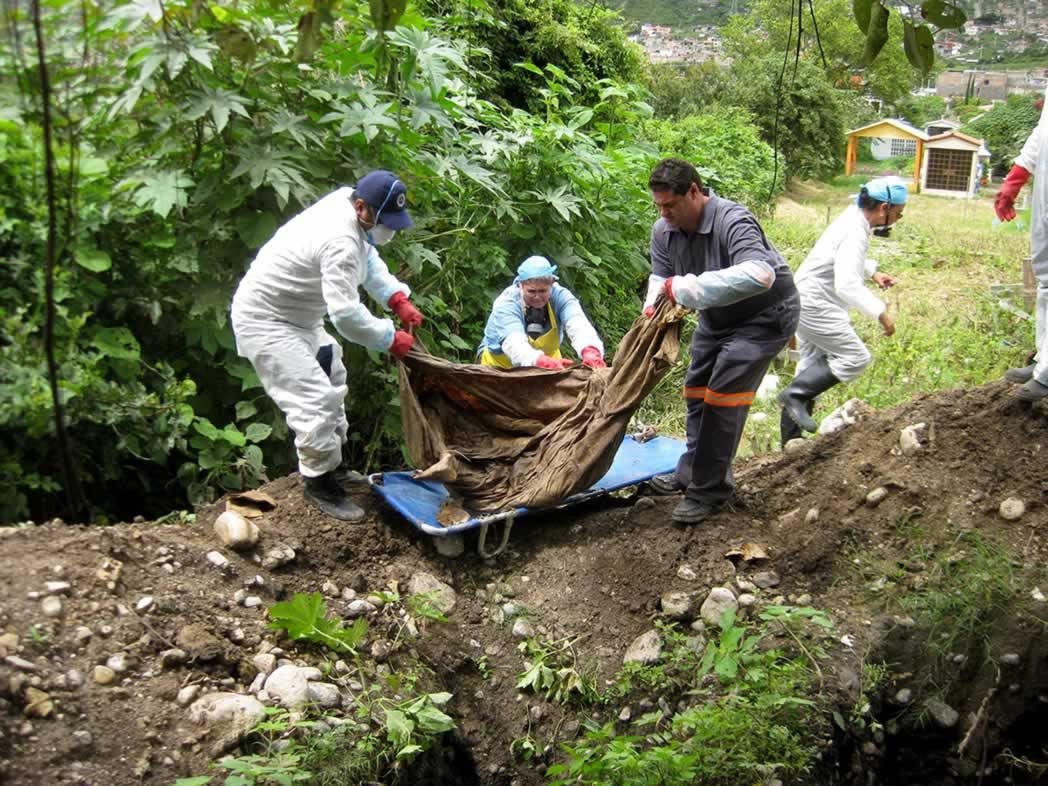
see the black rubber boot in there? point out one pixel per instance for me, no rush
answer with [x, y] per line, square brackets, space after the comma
[788, 429]
[1019, 376]
[327, 495]
[801, 392]
[1031, 391]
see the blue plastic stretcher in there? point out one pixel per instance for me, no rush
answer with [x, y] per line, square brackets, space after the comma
[419, 501]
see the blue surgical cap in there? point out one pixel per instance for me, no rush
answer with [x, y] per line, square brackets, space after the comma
[535, 267]
[888, 189]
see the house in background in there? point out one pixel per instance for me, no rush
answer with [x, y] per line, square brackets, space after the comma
[951, 164]
[896, 146]
[941, 126]
[987, 85]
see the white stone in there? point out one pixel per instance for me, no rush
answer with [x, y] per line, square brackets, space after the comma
[51, 606]
[117, 662]
[679, 605]
[251, 601]
[82, 635]
[290, 685]
[1012, 509]
[359, 608]
[221, 707]
[325, 694]
[443, 596]
[686, 573]
[188, 695]
[645, 649]
[144, 604]
[522, 629]
[811, 516]
[910, 439]
[876, 497]
[58, 587]
[235, 531]
[265, 663]
[795, 445]
[450, 546]
[281, 554]
[217, 559]
[719, 601]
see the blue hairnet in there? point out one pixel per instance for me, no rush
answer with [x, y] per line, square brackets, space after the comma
[535, 267]
[888, 189]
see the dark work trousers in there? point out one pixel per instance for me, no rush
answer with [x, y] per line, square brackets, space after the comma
[727, 366]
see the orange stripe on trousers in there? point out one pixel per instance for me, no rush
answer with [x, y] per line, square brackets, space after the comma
[715, 399]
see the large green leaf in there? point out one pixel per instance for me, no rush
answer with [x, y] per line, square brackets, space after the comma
[919, 45]
[255, 228]
[116, 342]
[861, 10]
[876, 33]
[220, 103]
[161, 190]
[94, 259]
[943, 14]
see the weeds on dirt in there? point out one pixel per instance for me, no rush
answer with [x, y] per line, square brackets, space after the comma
[551, 669]
[955, 590]
[306, 617]
[742, 713]
[394, 718]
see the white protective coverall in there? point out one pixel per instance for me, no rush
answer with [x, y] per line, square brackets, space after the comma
[310, 268]
[830, 282]
[1034, 159]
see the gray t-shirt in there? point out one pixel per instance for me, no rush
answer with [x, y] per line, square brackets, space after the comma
[727, 235]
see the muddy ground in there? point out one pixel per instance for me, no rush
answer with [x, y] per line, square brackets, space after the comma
[596, 571]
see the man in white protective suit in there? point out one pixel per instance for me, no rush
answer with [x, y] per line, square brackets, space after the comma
[832, 281]
[310, 268]
[1032, 160]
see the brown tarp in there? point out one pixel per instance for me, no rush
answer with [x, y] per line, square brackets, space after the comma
[528, 437]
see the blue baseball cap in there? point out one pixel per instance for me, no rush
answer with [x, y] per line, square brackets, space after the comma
[535, 267]
[888, 189]
[383, 191]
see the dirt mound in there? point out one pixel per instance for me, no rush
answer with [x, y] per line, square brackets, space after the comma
[128, 593]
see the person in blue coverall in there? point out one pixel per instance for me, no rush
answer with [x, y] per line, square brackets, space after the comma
[529, 319]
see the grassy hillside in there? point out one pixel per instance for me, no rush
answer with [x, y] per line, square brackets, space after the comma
[677, 13]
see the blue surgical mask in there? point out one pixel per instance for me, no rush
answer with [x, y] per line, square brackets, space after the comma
[380, 234]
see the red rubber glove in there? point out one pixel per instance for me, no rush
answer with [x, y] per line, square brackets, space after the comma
[545, 361]
[668, 289]
[592, 357]
[1004, 204]
[401, 343]
[649, 312]
[402, 307]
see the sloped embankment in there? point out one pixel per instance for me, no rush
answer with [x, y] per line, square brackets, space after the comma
[935, 664]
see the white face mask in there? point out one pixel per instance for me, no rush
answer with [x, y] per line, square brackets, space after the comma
[380, 234]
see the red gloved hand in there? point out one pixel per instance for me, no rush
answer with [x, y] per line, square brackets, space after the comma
[592, 357]
[668, 289]
[545, 361]
[649, 312]
[402, 307]
[1004, 204]
[401, 343]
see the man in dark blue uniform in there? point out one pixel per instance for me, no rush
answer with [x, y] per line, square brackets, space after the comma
[710, 254]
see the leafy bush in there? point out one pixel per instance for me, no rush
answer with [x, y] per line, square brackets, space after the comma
[727, 150]
[1005, 128]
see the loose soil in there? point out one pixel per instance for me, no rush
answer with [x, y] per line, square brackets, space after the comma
[595, 571]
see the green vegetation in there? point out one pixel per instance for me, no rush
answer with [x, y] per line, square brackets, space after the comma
[747, 716]
[396, 714]
[306, 617]
[183, 140]
[1005, 128]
